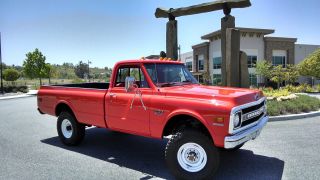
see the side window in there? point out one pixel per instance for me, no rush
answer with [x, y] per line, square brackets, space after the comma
[122, 74]
[132, 71]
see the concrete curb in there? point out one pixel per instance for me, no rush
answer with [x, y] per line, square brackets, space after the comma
[29, 94]
[17, 96]
[294, 116]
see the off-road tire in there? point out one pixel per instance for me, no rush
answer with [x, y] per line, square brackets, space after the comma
[180, 138]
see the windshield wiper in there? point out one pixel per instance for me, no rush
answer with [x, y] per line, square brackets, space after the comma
[168, 84]
[187, 81]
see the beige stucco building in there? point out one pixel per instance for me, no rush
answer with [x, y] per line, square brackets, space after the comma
[205, 59]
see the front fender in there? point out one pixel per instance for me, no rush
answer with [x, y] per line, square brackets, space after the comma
[193, 114]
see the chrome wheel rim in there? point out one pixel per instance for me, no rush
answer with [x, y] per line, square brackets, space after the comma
[192, 157]
[66, 128]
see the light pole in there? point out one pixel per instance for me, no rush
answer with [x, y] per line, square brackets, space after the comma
[1, 66]
[89, 62]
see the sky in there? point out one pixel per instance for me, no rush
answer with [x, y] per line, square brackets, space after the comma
[106, 31]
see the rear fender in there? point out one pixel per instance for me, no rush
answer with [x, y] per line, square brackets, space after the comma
[66, 103]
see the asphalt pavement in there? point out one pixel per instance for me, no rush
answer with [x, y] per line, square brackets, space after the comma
[30, 149]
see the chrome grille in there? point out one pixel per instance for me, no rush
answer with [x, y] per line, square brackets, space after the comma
[253, 113]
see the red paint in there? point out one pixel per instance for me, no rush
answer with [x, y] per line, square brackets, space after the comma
[96, 107]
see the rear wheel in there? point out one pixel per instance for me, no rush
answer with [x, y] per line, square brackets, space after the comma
[70, 131]
[191, 155]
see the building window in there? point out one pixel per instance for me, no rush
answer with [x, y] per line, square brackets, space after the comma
[216, 63]
[217, 80]
[279, 60]
[200, 62]
[252, 61]
[189, 65]
[253, 80]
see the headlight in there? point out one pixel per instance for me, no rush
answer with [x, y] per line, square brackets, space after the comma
[237, 120]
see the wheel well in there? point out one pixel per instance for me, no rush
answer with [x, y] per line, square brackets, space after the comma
[63, 107]
[183, 121]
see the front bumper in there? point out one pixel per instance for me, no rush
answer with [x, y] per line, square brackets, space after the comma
[245, 135]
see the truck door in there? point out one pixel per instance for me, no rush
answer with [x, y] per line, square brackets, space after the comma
[123, 116]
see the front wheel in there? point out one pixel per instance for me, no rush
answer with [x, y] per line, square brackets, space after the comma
[191, 155]
[70, 131]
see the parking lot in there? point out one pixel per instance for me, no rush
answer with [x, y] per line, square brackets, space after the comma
[30, 149]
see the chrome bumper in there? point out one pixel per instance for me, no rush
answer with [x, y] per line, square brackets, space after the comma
[245, 135]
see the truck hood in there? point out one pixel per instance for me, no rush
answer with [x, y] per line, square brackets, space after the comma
[237, 96]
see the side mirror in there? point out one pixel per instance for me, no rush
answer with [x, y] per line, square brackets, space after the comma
[130, 84]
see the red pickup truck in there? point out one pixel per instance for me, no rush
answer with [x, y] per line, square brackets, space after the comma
[157, 99]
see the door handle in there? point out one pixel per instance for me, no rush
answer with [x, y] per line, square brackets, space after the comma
[113, 95]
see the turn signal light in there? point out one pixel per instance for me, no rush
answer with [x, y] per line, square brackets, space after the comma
[218, 120]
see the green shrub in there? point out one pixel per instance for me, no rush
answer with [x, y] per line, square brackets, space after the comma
[301, 104]
[291, 107]
[273, 109]
[15, 89]
[303, 88]
[269, 92]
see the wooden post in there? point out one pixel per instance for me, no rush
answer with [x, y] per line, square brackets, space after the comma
[172, 39]
[232, 57]
[226, 22]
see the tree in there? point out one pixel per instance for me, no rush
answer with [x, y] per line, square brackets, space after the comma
[292, 73]
[81, 69]
[310, 66]
[51, 72]
[278, 75]
[108, 71]
[66, 71]
[34, 66]
[263, 69]
[11, 75]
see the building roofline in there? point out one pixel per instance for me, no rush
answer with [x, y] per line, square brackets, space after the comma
[200, 45]
[308, 44]
[286, 39]
[242, 29]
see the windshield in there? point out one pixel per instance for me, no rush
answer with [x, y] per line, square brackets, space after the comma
[169, 74]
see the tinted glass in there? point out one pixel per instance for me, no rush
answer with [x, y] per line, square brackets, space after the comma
[173, 74]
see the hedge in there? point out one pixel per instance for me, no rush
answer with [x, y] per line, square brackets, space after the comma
[15, 89]
[301, 104]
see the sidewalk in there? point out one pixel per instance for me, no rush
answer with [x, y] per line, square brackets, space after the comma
[30, 93]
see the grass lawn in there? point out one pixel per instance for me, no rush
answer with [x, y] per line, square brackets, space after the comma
[301, 104]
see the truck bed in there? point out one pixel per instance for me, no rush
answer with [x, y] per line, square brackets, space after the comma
[86, 101]
[93, 85]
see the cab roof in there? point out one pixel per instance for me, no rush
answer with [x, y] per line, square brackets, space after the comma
[149, 61]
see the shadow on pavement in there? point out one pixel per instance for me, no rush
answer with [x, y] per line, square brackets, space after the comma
[147, 156]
